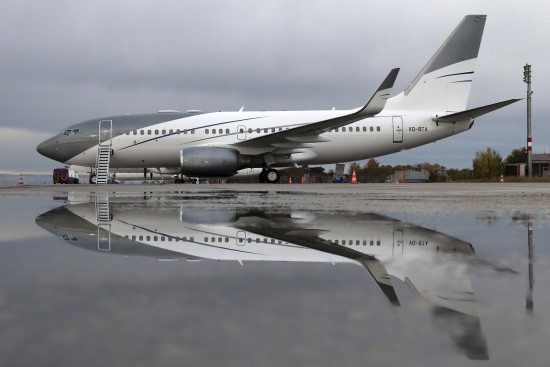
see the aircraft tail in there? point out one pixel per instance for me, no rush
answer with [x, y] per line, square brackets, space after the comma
[443, 85]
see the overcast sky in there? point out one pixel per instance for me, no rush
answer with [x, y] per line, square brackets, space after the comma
[68, 61]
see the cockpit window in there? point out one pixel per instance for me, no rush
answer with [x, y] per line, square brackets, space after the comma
[69, 132]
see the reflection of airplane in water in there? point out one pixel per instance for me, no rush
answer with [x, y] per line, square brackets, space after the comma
[433, 265]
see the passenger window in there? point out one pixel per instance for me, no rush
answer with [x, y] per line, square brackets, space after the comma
[163, 132]
[371, 129]
[266, 131]
[378, 128]
[171, 131]
[155, 238]
[193, 132]
[148, 238]
[336, 129]
[272, 130]
[227, 131]
[148, 132]
[257, 130]
[135, 132]
[220, 131]
[249, 130]
[156, 132]
[206, 131]
[141, 238]
[205, 239]
[357, 129]
[364, 129]
[378, 243]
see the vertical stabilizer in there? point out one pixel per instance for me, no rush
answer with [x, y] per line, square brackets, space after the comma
[444, 83]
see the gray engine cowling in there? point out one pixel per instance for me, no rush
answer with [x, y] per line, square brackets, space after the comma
[209, 161]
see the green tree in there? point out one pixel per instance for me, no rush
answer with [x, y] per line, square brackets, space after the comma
[517, 156]
[372, 163]
[488, 164]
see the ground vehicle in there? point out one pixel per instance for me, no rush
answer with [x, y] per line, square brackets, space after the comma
[65, 176]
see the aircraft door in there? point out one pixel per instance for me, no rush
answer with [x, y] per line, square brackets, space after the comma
[241, 132]
[398, 242]
[241, 238]
[104, 237]
[397, 129]
[105, 132]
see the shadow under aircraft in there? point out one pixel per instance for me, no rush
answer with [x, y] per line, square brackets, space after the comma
[433, 265]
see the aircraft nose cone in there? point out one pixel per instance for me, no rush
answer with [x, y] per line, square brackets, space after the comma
[49, 148]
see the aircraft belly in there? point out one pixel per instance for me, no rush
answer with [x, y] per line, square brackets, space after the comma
[146, 156]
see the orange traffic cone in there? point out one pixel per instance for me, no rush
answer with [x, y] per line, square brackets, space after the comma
[303, 180]
[501, 178]
[83, 182]
[290, 181]
[353, 177]
[20, 179]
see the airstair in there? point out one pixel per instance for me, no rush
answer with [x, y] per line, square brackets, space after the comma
[103, 217]
[103, 158]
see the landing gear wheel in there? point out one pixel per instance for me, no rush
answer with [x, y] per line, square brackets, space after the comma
[93, 179]
[271, 176]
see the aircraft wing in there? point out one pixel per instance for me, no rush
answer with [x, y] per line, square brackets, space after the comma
[473, 113]
[309, 133]
[310, 238]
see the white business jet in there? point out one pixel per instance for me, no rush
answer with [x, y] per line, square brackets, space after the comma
[219, 144]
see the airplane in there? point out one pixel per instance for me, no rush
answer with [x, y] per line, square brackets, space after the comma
[220, 144]
[433, 265]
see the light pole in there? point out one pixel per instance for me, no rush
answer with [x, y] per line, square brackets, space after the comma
[527, 79]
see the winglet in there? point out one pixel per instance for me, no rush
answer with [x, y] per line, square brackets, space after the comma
[377, 102]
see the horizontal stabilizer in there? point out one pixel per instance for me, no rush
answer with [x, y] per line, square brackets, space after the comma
[475, 112]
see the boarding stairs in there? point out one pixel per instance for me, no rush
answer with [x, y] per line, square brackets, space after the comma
[104, 151]
[103, 218]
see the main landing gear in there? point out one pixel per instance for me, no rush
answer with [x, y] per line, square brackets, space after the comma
[270, 176]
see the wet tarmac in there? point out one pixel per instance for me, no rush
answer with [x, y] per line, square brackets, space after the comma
[263, 275]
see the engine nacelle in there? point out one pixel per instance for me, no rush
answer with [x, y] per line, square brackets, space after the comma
[209, 162]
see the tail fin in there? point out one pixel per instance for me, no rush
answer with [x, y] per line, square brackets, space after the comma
[444, 83]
